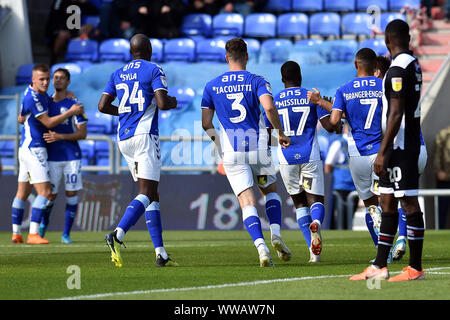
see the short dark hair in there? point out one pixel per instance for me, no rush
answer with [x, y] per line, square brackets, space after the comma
[41, 67]
[397, 28]
[383, 64]
[290, 71]
[63, 70]
[367, 59]
[236, 49]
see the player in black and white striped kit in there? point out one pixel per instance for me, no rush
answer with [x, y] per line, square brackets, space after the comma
[396, 163]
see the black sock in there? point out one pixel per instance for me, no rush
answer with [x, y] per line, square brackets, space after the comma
[415, 230]
[388, 229]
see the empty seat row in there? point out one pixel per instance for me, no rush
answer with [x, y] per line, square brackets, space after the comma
[337, 5]
[268, 25]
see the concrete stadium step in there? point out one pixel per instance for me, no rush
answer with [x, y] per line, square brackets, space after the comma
[431, 65]
[432, 50]
[435, 38]
[427, 76]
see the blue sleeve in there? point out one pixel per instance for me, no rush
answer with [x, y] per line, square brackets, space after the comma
[339, 103]
[263, 87]
[321, 112]
[35, 104]
[159, 80]
[111, 87]
[207, 101]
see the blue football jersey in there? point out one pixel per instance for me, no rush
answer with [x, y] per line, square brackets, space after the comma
[64, 150]
[34, 104]
[361, 101]
[299, 119]
[235, 97]
[135, 85]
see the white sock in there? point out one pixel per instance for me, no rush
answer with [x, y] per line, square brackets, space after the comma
[275, 229]
[260, 243]
[162, 252]
[120, 234]
[34, 227]
[16, 229]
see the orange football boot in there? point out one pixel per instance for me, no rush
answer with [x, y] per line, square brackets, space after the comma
[17, 238]
[35, 238]
[409, 273]
[372, 272]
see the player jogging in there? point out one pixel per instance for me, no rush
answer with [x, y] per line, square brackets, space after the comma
[397, 159]
[235, 96]
[33, 166]
[141, 89]
[64, 154]
[300, 165]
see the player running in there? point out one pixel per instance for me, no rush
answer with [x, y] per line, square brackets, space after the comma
[300, 165]
[64, 154]
[235, 96]
[397, 159]
[33, 166]
[141, 88]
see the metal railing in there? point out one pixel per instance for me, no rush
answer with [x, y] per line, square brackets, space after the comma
[110, 168]
[435, 193]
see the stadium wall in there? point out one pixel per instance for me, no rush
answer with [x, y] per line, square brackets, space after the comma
[15, 42]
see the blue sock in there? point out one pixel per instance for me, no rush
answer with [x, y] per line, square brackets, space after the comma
[401, 223]
[37, 210]
[369, 224]
[71, 211]
[134, 211]
[46, 215]
[304, 220]
[273, 208]
[17, 209]
[317, 212]
[252, 223]
[154, 224]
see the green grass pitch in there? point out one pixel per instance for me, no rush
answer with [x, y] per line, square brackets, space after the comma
[219, 265]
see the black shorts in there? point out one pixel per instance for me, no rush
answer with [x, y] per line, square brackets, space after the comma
[402, 174]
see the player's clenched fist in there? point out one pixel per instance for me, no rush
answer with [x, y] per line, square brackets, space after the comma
[77, 109]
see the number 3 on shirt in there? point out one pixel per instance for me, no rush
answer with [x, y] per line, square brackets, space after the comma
[236, 105]
[136, 97]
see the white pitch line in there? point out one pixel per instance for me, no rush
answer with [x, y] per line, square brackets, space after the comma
[225, 285]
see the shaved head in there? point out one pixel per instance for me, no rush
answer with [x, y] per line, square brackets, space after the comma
[140, 47]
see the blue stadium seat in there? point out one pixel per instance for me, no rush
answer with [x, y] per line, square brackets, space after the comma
[73, 68]
[87, 149]
[357, 24]
[211, 50]
[341, 50]
[387, 17]
[325, 24]
[339, 5]
[82, 50]
[308, 42]
[278, 6]
[292, 24]
[157, 50]
[7, 148]
[228, 24]
[397, 5]
[24, 74]
[180, 49]
[101, 149]
[260, 25]
[7, 161]
[99, 122]
[376, 45]
[90, 19]
[196, 24]
[307, 5]
[253, 48]
[275, 50]
[115, 50]
[184, 95]
[362, 5]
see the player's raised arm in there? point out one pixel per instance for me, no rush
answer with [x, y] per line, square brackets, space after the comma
[50, 122]
[315, 97]
[272, 115]
[164, 101]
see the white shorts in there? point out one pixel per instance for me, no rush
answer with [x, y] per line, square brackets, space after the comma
[301, 177]
[143, 155]
[423, 156]
[70, 171]
[33, 166]
[243, 168]
[365, 180]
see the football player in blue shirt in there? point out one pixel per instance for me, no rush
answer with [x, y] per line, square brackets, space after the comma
[64, 153]
[300, 165]
[236, 96]
[360, 100]
[141, 88]
[33, 166]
